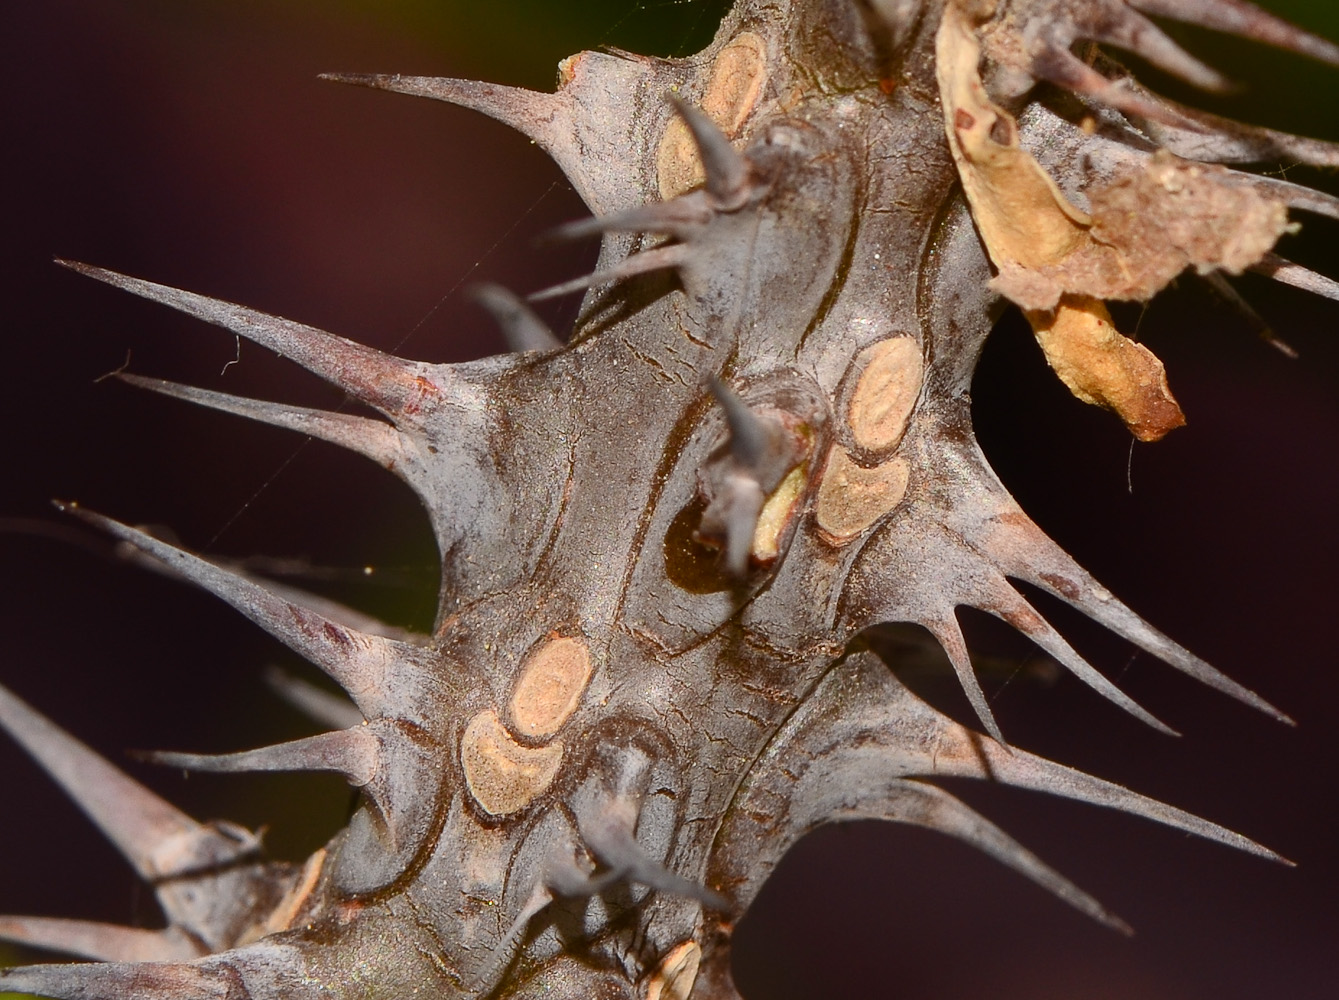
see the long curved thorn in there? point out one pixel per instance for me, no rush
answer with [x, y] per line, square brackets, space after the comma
[342, 614]
[656, 259]
[1298, 196]
[521, 328]
[1288, 273]
[373, 439]
[545, 118]
[1062, 68]
[913, 739]
[1235, 17]
[362, 664]
[846, 752]
[1008, 605]
[1023, 551]
[353, 753]
[679, 217]
[1137, 34]
[1224, 289]
[392, 385]
[99, 942]
[921, 804]
[349, 617]
[980, 757]
[125, 981]
[157, 839]
[727, 171]
[1222, 140]
[949, 634]
[316, 703]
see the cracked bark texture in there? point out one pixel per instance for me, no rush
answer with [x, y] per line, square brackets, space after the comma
[778, 635]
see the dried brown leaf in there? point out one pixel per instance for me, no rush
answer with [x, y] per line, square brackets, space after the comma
[1176, 214]
[1025, 221]
[1103, 367]
[1147, 225]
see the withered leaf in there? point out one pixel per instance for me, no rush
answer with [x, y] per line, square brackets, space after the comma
[1057, 262]
[1176, 214]
[1103, 367]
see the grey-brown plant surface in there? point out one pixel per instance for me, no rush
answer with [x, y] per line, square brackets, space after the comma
[716, 522]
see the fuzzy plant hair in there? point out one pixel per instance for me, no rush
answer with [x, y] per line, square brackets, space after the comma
[679, 542]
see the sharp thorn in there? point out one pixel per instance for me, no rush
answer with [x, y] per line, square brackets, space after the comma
[679, 217]
[1007, 605]
[564, 878]
[373, 439]
[510, 942]
[655, 259]
[317, 704]
[921, 804]
[727, 171]
[360, 663]
[99, 942]
[521, 328]
[386, 383]
[1288, 273]
[1236, 17]
[563, 124]
[949, 634]
[848, 753]
[1023, 770]
[341, 613]
[1135, 33]
[923, 742]
[750, 436]
[1062, 68]
[741, 503]
[539, 898]
[124, 981]
[354, 753]
[400, 452]
[1224, 290]
[761, 451]
[156, 838]
[730, 521]
[1108, 155]
[609, 836]
[539, 116]
[1023, 551]
[1297, 196]
[1222, 140]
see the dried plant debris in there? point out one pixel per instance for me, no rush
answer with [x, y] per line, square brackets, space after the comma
[1153, 220]
[1102, 367]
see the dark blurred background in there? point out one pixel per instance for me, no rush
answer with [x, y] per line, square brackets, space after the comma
[191, 143]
